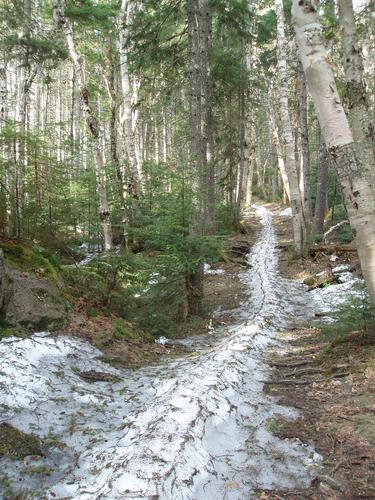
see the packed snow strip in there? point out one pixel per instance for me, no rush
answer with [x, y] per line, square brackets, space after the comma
[194, 428]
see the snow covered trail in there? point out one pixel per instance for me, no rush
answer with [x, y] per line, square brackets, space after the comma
[192, 428]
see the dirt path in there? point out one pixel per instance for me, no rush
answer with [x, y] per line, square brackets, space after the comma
[197, 427]
[337, 403]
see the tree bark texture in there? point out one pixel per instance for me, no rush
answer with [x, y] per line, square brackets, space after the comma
[355, 91]
[352, 174]
[299, 226]
[322, 185]
[91, 122]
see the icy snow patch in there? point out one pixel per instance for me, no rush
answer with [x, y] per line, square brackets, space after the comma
[208, 270]
[287, 212]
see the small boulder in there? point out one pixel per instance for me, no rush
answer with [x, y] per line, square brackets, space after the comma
[33, 303]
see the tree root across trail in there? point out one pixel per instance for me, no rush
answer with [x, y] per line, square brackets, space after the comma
[196, 427]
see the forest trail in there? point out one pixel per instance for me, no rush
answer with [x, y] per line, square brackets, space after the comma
[196, 427]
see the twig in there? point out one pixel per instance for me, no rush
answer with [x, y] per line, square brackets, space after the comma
[306, 371]
[286, 382]
[292, 364]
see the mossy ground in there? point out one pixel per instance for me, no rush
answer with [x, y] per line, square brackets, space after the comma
[16, 444]
[33, 259]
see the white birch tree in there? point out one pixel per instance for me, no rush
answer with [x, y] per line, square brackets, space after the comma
[299, 226]
[91, 121]
[353, 175]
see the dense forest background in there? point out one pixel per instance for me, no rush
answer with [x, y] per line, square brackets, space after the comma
[143, 128]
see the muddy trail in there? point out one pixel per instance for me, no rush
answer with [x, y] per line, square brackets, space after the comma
[195, 427]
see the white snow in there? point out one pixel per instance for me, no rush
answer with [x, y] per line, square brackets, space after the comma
[287, 212]
[208, 270]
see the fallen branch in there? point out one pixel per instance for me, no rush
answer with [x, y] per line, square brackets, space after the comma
[330, 249]
[331, 482]
[292, 364]
[286, 382]
[334, 228]
[306, 371]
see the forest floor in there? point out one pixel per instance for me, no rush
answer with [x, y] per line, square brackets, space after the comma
[332, 384]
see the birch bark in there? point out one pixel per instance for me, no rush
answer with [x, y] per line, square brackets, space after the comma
[91, 122]
[299, 226]
[322, 184]
[353, 176]
[135, 176]
[362, 126]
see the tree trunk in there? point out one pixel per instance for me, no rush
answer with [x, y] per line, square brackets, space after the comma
[355, 91]
[299, 226]
[113, 123]
[247, 131]
[322, 184]
[243, 165]
[91, 122]
[305, 153]
[353, 176]
[134, 171]
[208, 177]
[3, 92]
[279, 154]
[194, 279]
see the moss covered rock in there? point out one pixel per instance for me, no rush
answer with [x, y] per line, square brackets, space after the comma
[29, 301]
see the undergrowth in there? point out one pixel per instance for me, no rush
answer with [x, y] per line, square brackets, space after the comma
[355, 323]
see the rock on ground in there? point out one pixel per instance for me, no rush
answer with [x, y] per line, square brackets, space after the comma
[29, 302]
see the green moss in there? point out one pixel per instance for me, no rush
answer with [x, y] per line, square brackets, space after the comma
[32, 259]
[122, 330]
[7, 331]
[41, 469]
[310, 281]
[16, 444]
[273, 426]
[117, 361]
[92, 312]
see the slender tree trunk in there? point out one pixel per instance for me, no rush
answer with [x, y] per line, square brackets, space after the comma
[355, 91]
[353, 176]
[322, 185]
[194, 278]
[4, 225]
[299, 226]
[279, 154]
[208, 177]
[91, 122]
[247, 131]
[243, 166]
[304, 135]
[26, 78]
[3, 92]
[134, 171]
[113, 123]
